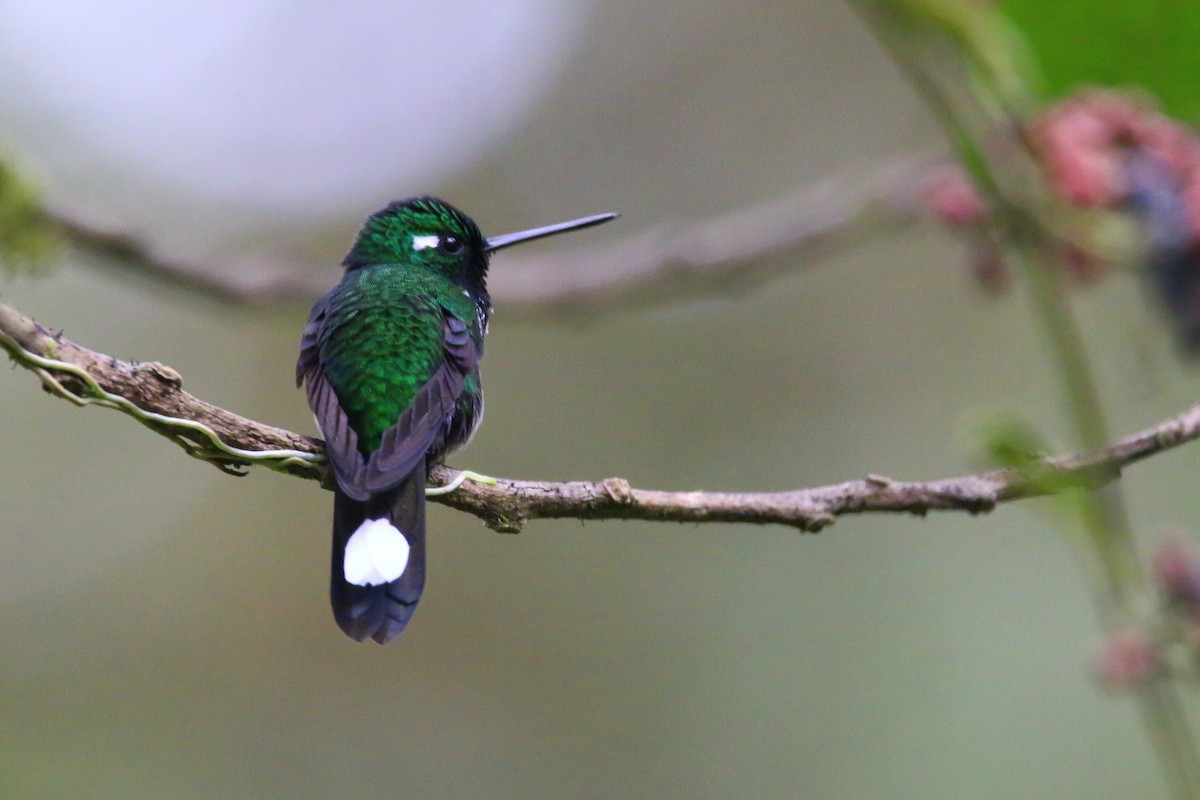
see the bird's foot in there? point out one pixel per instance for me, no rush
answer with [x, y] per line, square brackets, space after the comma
[464, 475]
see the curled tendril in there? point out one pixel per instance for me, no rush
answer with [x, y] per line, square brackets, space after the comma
[207, 446]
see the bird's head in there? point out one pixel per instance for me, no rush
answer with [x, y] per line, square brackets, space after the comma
[428, 232]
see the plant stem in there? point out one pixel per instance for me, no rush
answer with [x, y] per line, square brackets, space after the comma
[1103, 511]
[909, 33]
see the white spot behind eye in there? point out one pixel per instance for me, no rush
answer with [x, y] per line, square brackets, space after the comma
[424, 242]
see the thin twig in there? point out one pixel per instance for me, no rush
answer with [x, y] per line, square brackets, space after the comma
[151, 392]
[746, 247]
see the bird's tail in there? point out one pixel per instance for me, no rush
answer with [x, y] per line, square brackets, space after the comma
[373, 589]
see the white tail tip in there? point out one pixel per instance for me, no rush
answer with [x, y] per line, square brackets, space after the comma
[376, 553]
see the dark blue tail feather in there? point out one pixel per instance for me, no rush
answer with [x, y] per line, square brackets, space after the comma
[379, 612]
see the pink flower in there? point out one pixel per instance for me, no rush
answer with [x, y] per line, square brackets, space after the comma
[953, 198]
[1128, 659]
[1175, 566]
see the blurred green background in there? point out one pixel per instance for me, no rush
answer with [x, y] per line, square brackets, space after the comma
[165, 628]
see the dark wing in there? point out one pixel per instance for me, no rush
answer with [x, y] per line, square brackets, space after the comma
[402, 446]
[341, 442]
[310, 341]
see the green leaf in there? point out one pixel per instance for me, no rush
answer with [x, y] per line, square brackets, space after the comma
[28, 239]
[1005, 439]
[1153, 45]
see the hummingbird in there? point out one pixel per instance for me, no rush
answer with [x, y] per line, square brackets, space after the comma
[390, 364]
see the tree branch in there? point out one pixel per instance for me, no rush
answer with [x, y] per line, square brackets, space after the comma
[746, 247]
[151, 392]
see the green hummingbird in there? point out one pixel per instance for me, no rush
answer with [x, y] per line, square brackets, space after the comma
[390, 363]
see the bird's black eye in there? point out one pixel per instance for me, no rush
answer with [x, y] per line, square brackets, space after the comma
[450, 244]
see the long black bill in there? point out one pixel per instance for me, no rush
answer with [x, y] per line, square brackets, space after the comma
[504, 240]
